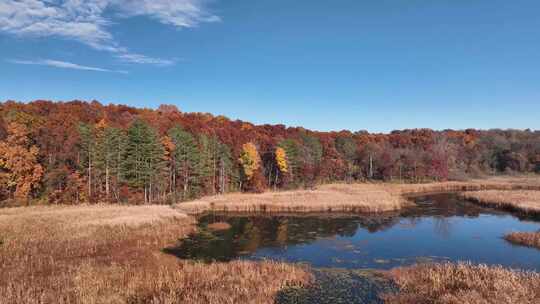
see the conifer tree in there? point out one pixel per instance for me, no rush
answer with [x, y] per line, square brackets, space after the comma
[227, 173]
[210, 161]
[110, 147]
[187, 161]
[143, 159]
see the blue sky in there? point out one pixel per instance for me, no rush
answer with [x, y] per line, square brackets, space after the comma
[325, 65]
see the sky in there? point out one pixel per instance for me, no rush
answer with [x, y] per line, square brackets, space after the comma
[376, 65]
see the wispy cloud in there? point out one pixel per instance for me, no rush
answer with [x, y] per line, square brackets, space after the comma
[64, 65]
[84, 20]
[137, 58]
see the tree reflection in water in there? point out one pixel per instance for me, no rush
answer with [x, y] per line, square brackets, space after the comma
[278, 232]
[249, 233]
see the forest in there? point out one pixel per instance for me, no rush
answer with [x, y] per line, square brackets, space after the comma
[86, 152]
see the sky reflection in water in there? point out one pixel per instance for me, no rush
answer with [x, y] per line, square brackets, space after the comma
[440, 228]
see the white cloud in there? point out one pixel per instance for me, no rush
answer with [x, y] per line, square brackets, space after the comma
[179, 13]
[84, 20]
[137, 58]
[64, 65]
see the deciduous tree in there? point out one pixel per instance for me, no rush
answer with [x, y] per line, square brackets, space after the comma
[20, 171]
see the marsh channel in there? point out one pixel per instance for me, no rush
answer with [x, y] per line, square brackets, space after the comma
[343, 250]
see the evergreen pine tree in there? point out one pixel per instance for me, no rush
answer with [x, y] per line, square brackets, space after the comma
[187, 161]
[110, 146]
[143, 158]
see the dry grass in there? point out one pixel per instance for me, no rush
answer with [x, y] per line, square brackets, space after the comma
[335, 198]
[105, 254]
[91, 215]
[464, 283]
[529, 239]
[522, 201]
[219, 226]
[348, 198]
[187, 282]
[112, 254]
[528, 182]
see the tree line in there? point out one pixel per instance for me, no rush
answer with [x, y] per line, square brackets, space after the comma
[86, 152]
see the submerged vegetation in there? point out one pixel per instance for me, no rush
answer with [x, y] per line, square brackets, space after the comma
[339, 286]
[464, 283]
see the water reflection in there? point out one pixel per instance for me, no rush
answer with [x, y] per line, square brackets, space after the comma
[439, 227]
[247, 234]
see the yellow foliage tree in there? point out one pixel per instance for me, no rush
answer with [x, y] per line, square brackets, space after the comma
[18, 160]
[249, 160]
[281, 160]
[169, 146]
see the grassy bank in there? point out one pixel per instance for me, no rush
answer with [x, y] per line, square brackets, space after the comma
[346, 198]
[523, 201]
[529, 239]
[326, 198]
[109, 254]
[113, 254]
[464, 283]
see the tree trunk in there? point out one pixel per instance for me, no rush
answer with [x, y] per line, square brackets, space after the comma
[186, 180]
[89, 176]
[370, 167]
[276, 179]
[107, 185]
[214, 160]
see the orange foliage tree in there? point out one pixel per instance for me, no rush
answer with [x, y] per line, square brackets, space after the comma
[21, 172]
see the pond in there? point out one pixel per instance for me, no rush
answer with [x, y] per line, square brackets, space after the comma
[438, 228]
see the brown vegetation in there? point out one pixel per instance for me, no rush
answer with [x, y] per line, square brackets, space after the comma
[219, 226]
[104, 254]
[353, 198]
[112, 253]
[334, 198]
[529, 239]
[524, 182]
[464, 283]
[521, 201]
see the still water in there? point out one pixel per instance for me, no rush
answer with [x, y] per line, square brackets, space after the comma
[439, 228]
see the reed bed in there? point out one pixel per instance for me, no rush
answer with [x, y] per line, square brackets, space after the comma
[112, 254]
[523, 201]
[463, 283]
[529, 239]
[346, 198]
[494, 183]
[327, 198]
[105, 254]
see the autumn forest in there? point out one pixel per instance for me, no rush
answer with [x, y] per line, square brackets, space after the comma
[86, 152]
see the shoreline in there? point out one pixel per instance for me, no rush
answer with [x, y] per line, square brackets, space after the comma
[89, 253]
[356, 198]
